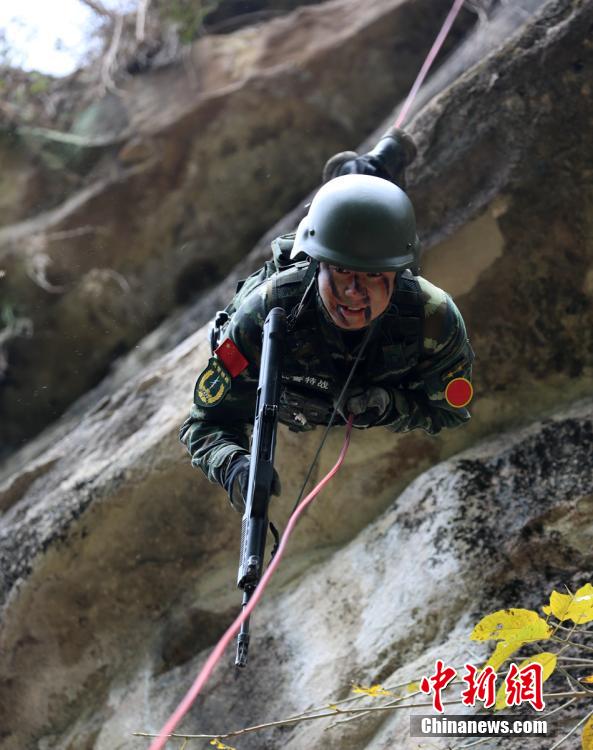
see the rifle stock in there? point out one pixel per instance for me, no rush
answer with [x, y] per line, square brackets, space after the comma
[254, 524]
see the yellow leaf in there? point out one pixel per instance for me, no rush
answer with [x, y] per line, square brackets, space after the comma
[587, 736]
[333, 707]
[413, 687]
[374, 690]
[578, 608]
[512, 625]
[501, 653]
[546, 659]
[588, 680]
[501, 698]
[548, 662]
[220, 745]
[558, 605]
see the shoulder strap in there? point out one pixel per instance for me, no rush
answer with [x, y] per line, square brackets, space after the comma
[281, 250]
[410, 307]
[275, 269]
[290, 289]
[404, 321]
[294, 277]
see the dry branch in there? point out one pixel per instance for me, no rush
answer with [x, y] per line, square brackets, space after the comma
[111, 54]
[98, 7]
[141, 20]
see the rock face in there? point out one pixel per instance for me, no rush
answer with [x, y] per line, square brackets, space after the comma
[518, 509]
[118, 561]
[145, 569]
[168, 203]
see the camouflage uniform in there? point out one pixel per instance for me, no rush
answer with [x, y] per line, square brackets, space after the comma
[418, 345]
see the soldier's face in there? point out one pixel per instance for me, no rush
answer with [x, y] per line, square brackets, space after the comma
[354, 298]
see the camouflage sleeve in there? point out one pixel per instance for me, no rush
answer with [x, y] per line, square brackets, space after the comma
[214, 435]
[446, 354]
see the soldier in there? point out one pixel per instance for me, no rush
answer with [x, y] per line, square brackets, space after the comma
[344, 274]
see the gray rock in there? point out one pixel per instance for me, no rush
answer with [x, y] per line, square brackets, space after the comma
[118, 560]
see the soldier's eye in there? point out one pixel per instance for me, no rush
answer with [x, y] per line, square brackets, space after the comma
[340, 270]
[374, 275]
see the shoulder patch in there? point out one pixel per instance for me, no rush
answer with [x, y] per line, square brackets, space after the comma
[459, 392]
[212, 385]
[230, 356]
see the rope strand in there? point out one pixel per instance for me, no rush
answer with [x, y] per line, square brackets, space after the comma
[430, 58]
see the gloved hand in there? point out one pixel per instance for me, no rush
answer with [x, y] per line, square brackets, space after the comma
[236, 478]
[369, 407]
[388, 160]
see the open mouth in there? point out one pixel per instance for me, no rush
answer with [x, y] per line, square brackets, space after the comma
[351, 310]
[354, 316]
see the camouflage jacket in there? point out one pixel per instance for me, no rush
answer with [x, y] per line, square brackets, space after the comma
[418, 345]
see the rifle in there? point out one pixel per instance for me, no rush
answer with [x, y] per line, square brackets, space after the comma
[254, 525]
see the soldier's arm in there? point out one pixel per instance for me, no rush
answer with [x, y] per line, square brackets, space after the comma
[212, 441]
[215, 435]
[446, 354]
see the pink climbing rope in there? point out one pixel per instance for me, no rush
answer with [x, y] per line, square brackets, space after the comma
[434, 50]
[232, 631]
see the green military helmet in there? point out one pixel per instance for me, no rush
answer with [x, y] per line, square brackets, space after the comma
[361, 223]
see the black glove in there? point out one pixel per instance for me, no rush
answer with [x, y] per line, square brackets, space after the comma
[236, 478]
[368, 408]
[388, 160]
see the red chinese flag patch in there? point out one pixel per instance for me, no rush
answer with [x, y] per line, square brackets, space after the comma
[459, 392]
[231, 357]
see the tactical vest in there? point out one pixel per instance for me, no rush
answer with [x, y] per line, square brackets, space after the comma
[402, 322]
[280, 261]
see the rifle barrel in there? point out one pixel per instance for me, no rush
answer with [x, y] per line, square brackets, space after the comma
[254, 525]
